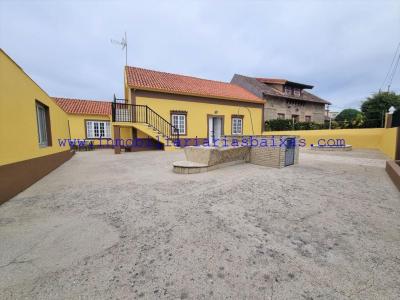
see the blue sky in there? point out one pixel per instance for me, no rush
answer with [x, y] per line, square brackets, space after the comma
[343, 48]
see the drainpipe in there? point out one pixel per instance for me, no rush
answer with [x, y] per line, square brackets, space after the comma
[251, 118]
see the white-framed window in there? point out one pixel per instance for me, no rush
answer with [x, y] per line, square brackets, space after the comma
[307, 118]
[179, 122]
[237, 125]
[281, 116]
[98, 129]
[41, 117]
[288, 90]
[297, 92]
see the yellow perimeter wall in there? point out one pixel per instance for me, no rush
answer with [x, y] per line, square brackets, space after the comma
[383, 139]
[197, 112]
[18, 125]
[388, 142]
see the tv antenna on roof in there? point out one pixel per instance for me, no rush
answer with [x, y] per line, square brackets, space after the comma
[124, 44]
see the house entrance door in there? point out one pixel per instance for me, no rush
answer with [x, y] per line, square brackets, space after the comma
[214, 129]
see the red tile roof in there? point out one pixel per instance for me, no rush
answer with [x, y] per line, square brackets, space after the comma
[84, 107]
[186, 85]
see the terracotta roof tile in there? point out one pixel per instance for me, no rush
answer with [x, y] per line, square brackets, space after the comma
[80, 106]
[186, 85]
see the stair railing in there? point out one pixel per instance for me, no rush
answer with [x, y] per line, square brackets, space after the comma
[134, 113]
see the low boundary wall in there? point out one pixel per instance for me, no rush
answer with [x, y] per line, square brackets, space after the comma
[383, 139]
[18, 176]
[393, 170]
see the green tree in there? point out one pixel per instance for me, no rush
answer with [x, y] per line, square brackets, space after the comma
[348, 115]
[375, 107]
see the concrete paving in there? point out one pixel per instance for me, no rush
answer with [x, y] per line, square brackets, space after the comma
[125, 226]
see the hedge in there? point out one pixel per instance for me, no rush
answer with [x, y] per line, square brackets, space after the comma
[281, 125]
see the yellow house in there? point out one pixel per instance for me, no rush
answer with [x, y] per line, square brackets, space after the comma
[162, 111]
[30, 124]
[83, 116]
[183, 110]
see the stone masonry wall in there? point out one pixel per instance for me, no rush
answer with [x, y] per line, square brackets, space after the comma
[274, 106]
[272, 155]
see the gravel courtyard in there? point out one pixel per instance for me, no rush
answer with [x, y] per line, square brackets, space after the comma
[108, 226]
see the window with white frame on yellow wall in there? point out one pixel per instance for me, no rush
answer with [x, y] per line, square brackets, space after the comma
[237, 124]
[97, 129]
[179, 121]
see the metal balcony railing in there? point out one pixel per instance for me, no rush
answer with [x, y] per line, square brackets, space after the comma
[124, 112]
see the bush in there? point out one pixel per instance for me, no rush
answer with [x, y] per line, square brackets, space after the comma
[334, 125]
[278, 125]
[351, 118]
[307, 126]
[281, 125]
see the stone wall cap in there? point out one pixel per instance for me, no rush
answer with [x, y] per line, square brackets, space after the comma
[189, 164]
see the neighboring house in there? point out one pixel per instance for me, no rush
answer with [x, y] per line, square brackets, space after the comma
[167, 106]
[87, 119]
[285, 99]
[30, 124]
[90, 121]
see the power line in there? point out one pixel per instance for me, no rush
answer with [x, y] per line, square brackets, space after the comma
[393, 72]
[391, 69]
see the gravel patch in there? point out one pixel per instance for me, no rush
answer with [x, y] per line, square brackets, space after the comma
[111, 226]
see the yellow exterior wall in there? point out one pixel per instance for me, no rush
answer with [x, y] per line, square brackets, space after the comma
[18, 125]
[389, 142]
[77, 125]
[78, 128]
[197, 112]
[127, 90]
[126, 133]
[370, 138]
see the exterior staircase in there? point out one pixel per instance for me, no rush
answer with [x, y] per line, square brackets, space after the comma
[146, 120]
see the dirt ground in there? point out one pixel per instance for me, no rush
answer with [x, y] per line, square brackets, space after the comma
[124, 226]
